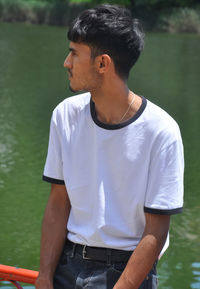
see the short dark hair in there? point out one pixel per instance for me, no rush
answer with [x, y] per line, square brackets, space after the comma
[110, 29]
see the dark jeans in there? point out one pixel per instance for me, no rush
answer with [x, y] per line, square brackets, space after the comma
[74, 272]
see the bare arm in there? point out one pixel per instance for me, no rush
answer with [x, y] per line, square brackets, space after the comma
[146, 253]
[53, 234]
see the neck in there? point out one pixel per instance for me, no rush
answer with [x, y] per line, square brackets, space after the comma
[112, 101]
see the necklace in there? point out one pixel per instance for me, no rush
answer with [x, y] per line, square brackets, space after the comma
[128, 108]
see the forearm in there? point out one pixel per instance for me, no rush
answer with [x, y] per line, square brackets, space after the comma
[53, 235]
[143, 257]
[52, 241]
[139, 265]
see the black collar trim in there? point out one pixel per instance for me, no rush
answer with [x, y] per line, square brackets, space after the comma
[118, 125]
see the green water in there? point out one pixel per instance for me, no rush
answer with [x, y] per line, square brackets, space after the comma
[33, 81]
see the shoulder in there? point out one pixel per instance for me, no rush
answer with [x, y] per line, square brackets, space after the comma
[71, 106]
[160, 125]
[76, 102]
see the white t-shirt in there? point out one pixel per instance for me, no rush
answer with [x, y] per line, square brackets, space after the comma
[114, 173]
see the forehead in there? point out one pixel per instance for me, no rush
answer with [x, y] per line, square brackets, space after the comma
[80, 47]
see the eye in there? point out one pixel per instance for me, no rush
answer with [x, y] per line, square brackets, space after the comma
[72, 51]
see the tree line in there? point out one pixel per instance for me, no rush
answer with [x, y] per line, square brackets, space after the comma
[157, 4]
[172, 15]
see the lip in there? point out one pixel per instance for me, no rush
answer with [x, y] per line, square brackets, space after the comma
[69, 74]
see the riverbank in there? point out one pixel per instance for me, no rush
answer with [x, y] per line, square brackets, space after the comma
[61, 13]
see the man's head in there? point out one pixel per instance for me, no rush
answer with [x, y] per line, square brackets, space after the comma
[110, 29]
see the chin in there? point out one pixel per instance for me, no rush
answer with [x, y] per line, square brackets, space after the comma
[73, 89]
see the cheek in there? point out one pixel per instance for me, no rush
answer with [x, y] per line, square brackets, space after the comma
[95, 75]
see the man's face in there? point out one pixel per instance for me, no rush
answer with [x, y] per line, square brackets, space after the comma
[81, 68]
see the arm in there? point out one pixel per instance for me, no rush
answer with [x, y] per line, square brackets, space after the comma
[53, 234]
[146, 253]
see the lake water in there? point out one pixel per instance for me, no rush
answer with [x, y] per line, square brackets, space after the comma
[33, 82]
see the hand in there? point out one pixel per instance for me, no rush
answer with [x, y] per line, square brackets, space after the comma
[43, 283]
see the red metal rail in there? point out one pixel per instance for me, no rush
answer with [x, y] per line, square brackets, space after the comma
[15, 275]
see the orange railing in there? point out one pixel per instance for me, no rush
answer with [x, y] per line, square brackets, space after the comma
[15, 275]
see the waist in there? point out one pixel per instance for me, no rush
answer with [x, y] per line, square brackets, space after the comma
[99, 254]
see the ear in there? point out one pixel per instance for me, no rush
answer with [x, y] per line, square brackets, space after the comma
[103, 63]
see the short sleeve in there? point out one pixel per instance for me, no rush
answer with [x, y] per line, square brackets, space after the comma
[164, 193]
[53, 170]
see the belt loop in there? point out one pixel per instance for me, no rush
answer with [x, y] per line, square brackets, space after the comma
[108, 256]
[73, 250]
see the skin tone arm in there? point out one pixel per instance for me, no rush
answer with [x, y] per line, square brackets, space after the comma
[53, 234]
[146, 253]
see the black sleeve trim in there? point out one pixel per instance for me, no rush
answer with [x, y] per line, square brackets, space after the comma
[53, 181]
[163, 212]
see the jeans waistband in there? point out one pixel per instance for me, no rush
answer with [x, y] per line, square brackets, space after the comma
[106, 255]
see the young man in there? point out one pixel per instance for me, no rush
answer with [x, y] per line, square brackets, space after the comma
[115, 162]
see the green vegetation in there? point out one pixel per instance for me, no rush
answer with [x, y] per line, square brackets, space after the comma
[49, 12]
[183, 20]
[175, 16]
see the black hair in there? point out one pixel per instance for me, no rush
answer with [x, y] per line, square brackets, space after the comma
[110, 29]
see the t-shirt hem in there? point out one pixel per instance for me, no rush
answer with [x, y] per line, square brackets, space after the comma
[163, 212]
[52, 180]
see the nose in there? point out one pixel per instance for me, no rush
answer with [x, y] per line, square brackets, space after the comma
[68, 62]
